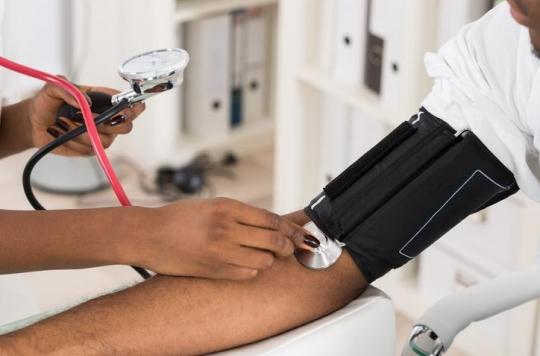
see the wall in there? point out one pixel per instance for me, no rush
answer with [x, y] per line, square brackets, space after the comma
[35, 33]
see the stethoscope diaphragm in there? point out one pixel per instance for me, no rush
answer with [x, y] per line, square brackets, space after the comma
[323, 256]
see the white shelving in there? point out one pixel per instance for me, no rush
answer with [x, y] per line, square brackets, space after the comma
[192, 10]
[362, 99]
[254, 137]
[256, 134]
[306, 80]
[158, 135]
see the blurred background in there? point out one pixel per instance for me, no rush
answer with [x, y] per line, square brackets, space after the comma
[279, 97]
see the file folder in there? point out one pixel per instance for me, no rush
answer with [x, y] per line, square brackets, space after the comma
[256, 65]
[239, 56]
[385, 48]
[365, 132]
[350, 41]
[335, 139]
[208, 78]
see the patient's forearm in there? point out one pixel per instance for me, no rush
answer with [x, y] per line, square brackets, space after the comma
[192, 316]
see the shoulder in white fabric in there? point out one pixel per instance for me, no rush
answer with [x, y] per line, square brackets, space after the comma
[484, 79]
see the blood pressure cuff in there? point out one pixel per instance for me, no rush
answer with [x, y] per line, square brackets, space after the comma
[408, 191]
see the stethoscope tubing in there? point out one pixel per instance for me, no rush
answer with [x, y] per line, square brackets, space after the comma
[51, 146]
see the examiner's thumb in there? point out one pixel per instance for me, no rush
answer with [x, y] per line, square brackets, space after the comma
[61, 94]
[302, 238]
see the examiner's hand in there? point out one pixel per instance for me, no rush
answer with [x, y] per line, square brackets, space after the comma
[219, 238]
[42, 111]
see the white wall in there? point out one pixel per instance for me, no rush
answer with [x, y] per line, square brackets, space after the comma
[35, 33]
[127, 28]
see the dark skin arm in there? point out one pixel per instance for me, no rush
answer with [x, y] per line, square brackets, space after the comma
[193, 316]
[28, 124]
[218, 238]
[15, 129]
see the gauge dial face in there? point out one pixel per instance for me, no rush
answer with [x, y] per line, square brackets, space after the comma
[155, 62]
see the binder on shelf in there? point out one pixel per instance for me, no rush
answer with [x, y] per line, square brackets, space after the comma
[239, 56]
[327, 37]
[386, 23]
[350, 41]
[374, 63]
[181, 90]
[208, 78]
[257, 30]
[334, 139]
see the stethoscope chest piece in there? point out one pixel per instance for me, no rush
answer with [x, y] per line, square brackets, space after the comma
[322, 257]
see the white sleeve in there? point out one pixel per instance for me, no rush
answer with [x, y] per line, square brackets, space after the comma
[482, 82]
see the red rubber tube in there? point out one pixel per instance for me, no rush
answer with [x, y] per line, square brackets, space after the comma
[88, 120]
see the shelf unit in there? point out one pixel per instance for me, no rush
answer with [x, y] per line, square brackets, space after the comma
[363, 99]
[191, 10]
[158, 137]
[255, 137]
[305, 79]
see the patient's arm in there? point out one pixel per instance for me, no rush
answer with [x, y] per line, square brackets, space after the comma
[168, 315]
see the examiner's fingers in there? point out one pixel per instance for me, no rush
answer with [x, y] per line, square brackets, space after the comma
[135, 109]
[122, 123]
[298, 217]
[269, 240]
[250, 258]
[106, 140]
[62, 95]
[71, 148]
[67, 125]
[249, 215]
[118, 125]
[104, 90]
[74, 149]
[132, 112]
[123, 128]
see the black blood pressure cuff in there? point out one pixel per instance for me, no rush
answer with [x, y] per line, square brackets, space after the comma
[408, 191]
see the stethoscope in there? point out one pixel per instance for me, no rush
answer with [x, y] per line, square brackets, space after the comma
[322, 257]
[148, 74]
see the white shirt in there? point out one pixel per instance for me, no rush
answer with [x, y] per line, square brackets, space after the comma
[487, 80]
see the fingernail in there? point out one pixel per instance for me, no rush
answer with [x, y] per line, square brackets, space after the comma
[311, 241]
[78, 117]
[117, 120]
[62, 124]
[53, 132]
